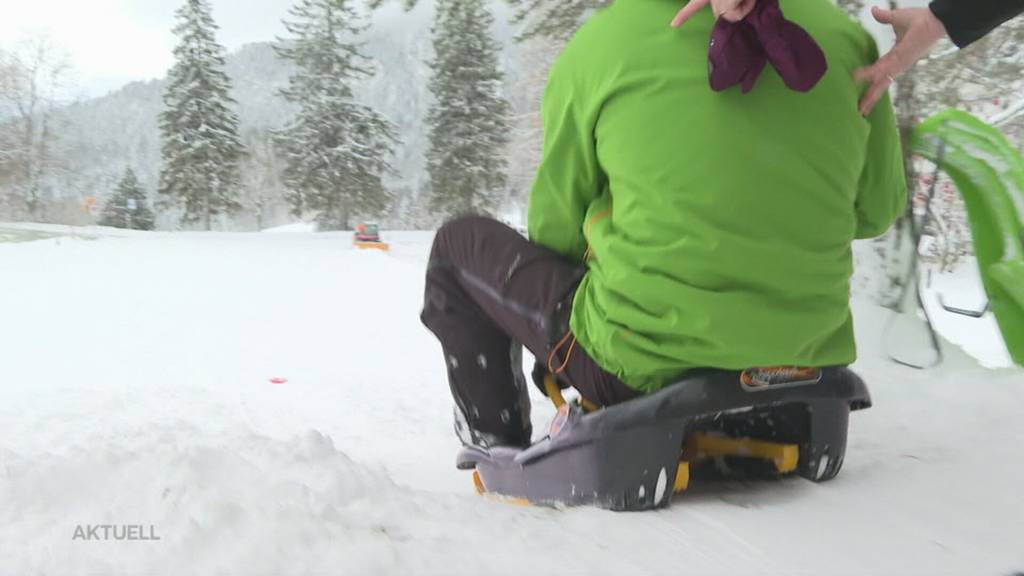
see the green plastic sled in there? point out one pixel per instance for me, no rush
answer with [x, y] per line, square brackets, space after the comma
[990, 176]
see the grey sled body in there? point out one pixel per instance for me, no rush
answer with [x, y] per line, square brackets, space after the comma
[625, 457]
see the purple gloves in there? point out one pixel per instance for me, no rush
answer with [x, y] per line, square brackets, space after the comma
[739, 51]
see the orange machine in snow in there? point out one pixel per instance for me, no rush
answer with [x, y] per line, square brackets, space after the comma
[367, 237]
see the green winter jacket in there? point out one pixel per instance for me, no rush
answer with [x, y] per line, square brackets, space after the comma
[716, 227]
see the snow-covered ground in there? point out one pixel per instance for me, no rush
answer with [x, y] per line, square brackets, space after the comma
[137, 390]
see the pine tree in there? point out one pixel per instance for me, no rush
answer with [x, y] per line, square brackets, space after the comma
[557, 19]
[127, 207]
[201, 148]
[469, 123]
[337, 150]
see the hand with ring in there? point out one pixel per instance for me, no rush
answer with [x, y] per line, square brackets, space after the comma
[917, 31]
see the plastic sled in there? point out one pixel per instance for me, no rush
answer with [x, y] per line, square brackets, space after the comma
[989, 173]
[635, 456]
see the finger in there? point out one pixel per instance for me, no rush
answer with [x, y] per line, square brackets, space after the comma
[866, 74]
[882, 16]
[887, 67]
[691, 8]
[873, 95]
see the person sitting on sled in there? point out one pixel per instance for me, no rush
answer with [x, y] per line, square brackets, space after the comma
[673, 226]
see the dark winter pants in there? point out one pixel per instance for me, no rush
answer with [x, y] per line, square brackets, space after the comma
[488, 291]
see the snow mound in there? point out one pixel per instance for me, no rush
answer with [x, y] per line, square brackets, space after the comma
[207, 499]
[244, 503]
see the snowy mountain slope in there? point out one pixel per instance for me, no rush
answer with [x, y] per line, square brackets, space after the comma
[137, 371]
[121, 129]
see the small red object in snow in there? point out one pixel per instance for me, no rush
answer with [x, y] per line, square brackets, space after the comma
[278, 380]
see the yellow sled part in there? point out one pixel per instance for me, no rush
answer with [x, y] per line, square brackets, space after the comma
[786, 457]
[682, 482]
[382, 246]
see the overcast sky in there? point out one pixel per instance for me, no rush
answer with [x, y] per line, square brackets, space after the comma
[112, 42]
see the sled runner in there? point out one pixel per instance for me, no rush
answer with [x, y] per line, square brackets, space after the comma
[636, 455]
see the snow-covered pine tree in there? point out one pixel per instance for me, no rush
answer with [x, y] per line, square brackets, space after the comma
[468, 121]
[127, 207]
[337, 151]
[200, 148]
[557, 19]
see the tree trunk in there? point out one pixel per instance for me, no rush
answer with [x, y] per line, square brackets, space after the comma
[206, 212]
[898, 246]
